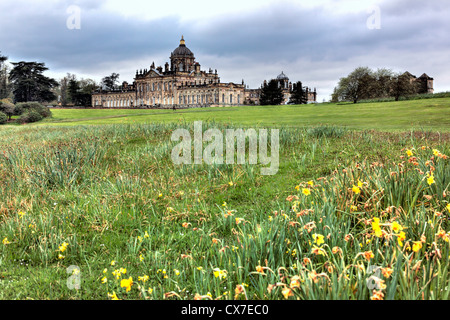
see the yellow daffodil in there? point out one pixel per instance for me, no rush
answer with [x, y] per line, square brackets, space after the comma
[318, 239]
[143, 278]
[409, 153]
[356, 189]
[127, 283]
[5, 241]
[63, 246]
[219, 273]
[401, 237]
[376, 227]
[430, 180]
[306, 191]
[113, 296]
[396, 227]
[417, 245]
[287, 292]
[104, 280]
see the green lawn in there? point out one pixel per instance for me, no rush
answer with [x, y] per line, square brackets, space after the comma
[427, 114]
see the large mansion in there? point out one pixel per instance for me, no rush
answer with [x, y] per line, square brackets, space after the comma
[183, 84]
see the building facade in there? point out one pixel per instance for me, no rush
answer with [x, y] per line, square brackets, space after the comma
[424, 83]
[180, 84]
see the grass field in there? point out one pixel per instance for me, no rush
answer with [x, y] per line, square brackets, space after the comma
[429, 114]
[359, 208]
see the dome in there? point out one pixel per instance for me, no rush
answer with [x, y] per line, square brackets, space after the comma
[182, 50]
[282, 76]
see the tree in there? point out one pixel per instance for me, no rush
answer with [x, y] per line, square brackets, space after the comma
[73, 89]
[381, 87]
[4, 88]
[63, 95]
[356, 86]
[271, 93]
[29, 84]
[7, 108]
[109, 82]
[401, 85]
[298, 95]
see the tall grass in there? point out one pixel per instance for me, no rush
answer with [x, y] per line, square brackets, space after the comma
[109, 200]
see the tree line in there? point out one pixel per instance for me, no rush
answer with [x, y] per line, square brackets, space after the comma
[26, 82]
[364, 83]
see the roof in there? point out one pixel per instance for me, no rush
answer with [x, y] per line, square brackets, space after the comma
[182, 50]
[282, 76]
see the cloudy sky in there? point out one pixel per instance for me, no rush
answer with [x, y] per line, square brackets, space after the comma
[316, 42]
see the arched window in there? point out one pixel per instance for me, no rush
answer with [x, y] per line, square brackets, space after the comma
[231, 98]
[223, 97]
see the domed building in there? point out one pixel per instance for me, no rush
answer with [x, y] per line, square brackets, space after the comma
[181, 84]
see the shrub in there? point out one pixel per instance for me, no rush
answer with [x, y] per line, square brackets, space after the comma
[25, 107]
[7, 108]
[30, 116]
[3, 118]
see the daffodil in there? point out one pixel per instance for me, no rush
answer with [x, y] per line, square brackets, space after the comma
[287, 292]
[430, 180]
[127, 283]
[417, 245]
[409, 153]
[356, 189]
[368, 255]
[318, 239]
[63, 246]
[259, 269]
[396, 227]
[104, 280]
[5, 241]
[400, 238]
[113, 296]
[219, 273]
[306, 191]
[143, 278]
[318, 251]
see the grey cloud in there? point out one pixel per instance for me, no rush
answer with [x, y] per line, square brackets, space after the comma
[252, 44]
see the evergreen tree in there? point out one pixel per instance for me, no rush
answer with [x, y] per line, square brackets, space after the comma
[4, 90]
[29, 84]
[271, 93]
[298, 95]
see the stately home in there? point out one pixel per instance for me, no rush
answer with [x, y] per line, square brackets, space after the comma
[180, 84]
[424, 83]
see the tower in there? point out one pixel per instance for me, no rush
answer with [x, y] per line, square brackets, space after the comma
[182, 59]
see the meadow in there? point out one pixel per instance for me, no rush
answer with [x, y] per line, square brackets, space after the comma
[359, 208]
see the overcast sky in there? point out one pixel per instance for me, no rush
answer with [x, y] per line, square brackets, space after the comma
[316, 42]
